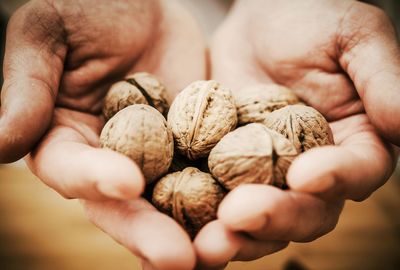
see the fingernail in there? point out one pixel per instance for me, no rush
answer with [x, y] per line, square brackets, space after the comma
[319, 184]
[146, 265]
[111, 191]
[250, 223]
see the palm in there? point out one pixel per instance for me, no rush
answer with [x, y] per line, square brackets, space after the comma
[301, 45]
[111, 39]
[95, 43]
[79, 48]
[73, 50]
[101, 46]
[310, 64]
[104, 44]
[313, 47]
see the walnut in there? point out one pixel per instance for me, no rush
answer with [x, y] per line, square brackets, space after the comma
[138, 88]
[141, 133]
[190, 196]
[200, 116]
[251, 154]
[304, 126]
[256, 102]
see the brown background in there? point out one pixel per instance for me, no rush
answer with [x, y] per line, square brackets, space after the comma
[39, 230]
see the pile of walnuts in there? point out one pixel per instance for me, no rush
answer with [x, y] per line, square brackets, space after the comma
[208, 141]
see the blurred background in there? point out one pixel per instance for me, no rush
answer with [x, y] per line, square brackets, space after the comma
[41, 230]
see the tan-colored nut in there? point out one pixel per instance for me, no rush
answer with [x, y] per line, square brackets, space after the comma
[141, 133]
[251, 154]
[138, 88]
[191, 197]
[256, 102]
[304, 126]
[200, 116]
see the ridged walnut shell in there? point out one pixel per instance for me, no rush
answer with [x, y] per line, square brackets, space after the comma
[190, 196]
[141, 133]
[254, 103]
[200, 116]
[138, 88]
[304, 126]
[251, 154]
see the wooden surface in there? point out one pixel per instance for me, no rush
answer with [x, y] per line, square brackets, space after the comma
[41, 230]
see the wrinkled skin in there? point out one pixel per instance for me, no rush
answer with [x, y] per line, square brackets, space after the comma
[61, 57]
[340, 57]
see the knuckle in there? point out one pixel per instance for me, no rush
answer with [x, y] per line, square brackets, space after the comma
[362, 23]
[379, 15]
[37, 20]
[12, 146]
[377, 20]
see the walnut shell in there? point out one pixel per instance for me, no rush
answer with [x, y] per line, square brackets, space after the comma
[141, 133]
[138, 88]
[200, 116]
[304, 126]
[191, 197]
[256, 102]
[251, 154]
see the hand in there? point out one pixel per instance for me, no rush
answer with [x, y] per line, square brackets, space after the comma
[61, 57]
[340, 57]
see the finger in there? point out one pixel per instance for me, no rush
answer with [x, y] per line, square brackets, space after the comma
[147, 265]
[331, 171]
[33, 64]
[252, 249]
[145, 232]
[216, 245]
[371, 57]
[268, 213]
[65, 161]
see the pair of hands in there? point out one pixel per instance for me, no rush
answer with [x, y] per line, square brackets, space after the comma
[341, 57]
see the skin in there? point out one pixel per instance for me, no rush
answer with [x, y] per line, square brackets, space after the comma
[342, 58]
[61, 57]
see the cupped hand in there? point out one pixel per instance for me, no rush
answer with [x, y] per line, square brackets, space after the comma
[60, 59]
[342, 58]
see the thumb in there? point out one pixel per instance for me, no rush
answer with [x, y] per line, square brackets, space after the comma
[371, 57]
[33, 64]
